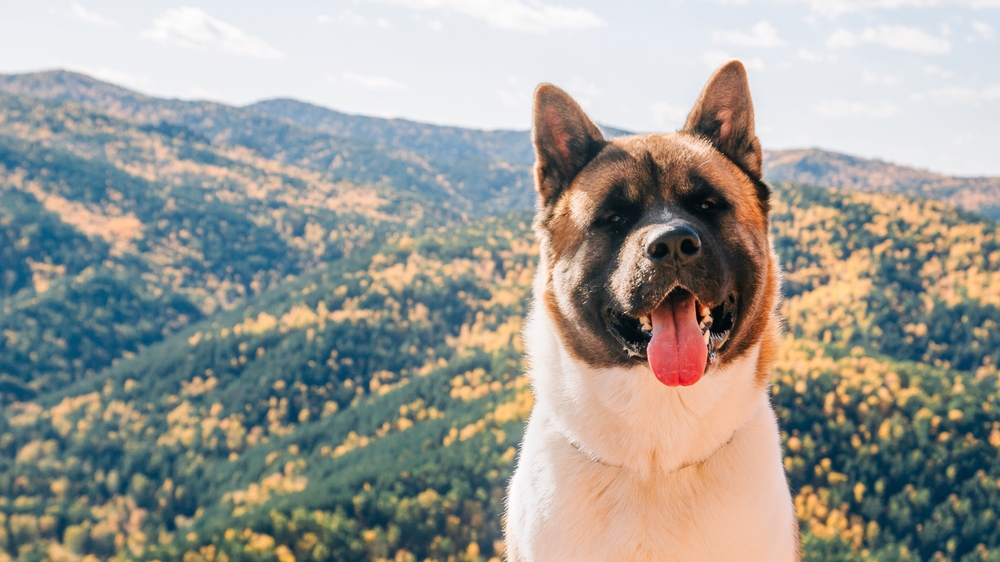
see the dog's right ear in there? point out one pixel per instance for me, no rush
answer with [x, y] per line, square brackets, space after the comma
[723, 115]
[565, 140]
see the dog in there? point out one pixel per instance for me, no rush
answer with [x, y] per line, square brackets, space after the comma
[650, 340]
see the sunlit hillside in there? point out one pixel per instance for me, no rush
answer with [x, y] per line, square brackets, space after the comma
[488, 170]
[820, 167]
[217, 348]
[364, 411]
[159, 227]
[465, 182]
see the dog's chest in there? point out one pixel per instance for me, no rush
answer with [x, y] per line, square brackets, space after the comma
[613, 517]
[733, 507]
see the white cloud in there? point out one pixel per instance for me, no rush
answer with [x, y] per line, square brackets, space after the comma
[897, 37]
[984, 29]
[583, 91]
[841, 39]
[834, 8]
[809, 56]
[966, 96]
[715, 59]
[192, 28]
[872, 77]
[346, 17]
[666, 114]
[763, 34]
[841, 109]
[385, 24]
[435, 25]
[378, 83]
[78, 12]
[519, 99]
[580, 87]
[937, 71]
[512, 15]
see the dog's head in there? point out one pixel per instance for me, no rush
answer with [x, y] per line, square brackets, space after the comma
[655, 248]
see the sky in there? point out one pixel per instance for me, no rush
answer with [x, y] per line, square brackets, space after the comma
[914, 82]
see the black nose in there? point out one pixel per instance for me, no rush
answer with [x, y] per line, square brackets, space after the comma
[679, 244]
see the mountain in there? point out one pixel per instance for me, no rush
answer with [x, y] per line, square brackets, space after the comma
[467, 185]
[436, 142]
[820, 167]
[439, 143]
[812, 167]
[211, 350]
[473, 170]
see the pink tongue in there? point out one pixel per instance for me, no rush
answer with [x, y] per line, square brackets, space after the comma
[677, 353]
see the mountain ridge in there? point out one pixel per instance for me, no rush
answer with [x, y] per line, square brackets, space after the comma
[852, 173]
[808, 166]
[469, 185]
[504, 152]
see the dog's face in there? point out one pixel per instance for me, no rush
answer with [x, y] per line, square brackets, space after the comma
[655, 248]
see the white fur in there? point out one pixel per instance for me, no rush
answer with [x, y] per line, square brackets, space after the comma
[616, 466]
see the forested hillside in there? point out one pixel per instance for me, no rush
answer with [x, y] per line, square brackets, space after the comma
[372, 409]
[820, 167]
[466, 183]
[488, 170]
[216, 344]
[115, 233]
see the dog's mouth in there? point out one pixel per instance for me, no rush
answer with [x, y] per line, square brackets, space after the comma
[681, 337]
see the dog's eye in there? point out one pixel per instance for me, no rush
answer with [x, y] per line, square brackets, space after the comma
[613, 221]
[709, 204]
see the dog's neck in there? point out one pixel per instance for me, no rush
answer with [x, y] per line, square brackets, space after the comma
[624, 417]
[592, 457]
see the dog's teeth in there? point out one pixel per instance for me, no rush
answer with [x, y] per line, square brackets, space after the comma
[707, 336]
[706, 312]
[646, 323]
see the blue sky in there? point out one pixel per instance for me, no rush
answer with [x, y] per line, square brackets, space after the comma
[915, 82]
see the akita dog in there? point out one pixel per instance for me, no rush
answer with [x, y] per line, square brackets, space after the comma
[650, 342]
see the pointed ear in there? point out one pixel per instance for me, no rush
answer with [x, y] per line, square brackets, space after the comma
[565, 140]
[724, 116]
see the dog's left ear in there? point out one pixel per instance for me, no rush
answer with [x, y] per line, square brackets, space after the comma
[565, 141]
[724, 116]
